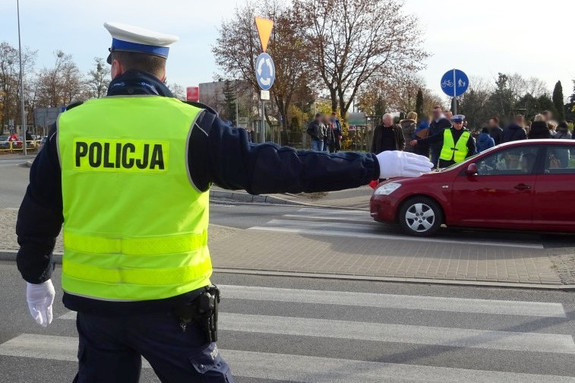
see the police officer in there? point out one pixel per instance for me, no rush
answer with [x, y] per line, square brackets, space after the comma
[456, 143]
[136, 269]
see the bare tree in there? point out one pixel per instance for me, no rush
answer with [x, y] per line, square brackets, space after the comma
[355, 41]
[521, 86]
[10, 83]
[98, 79]
[61, 84]
[397, 94]
[238, 46]
[178, 91]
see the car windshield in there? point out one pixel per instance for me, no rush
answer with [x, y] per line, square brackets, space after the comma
[459, 164]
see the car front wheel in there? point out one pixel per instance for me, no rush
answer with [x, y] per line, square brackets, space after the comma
[420, 216]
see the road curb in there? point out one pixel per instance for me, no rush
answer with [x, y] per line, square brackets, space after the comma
[249, 198]
[10, 255]
[350, 277]
[242, 197]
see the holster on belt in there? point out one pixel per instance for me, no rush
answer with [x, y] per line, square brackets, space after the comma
[203, 310]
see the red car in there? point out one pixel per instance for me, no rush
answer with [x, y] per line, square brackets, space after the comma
[521, 185]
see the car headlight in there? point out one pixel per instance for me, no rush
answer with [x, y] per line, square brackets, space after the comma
[387, 189]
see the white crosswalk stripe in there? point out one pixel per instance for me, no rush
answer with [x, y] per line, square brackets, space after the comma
[358, 224]
[294, 368]
[254, 363]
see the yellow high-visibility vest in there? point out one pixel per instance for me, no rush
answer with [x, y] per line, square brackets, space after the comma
[135, 227]
[452, 151]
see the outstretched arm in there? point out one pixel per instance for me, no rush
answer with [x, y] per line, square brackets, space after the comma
[225, 156]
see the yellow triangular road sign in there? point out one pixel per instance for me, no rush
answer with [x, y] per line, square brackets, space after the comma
[265, 30]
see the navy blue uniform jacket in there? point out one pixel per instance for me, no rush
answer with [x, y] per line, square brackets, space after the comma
[220, 154]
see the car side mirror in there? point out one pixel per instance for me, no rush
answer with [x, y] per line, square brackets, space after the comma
[471, 169]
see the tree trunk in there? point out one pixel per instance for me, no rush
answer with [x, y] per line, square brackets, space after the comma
[333, 95]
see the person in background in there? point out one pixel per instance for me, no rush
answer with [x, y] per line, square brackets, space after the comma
[514, 131]
[547, 115]
[539, 128]
[495, 130]
[563, 131]
[552, 124]
[448, 114]
[436, 127]
[328, 134]
[408, 127]
[315, 131]
[13, 137]
[422, 131]
[337, 133]
[456, 143]
[484, 141]
[387, 136]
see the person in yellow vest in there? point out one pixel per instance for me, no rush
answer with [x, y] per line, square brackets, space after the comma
[457, 143]
[135, 268]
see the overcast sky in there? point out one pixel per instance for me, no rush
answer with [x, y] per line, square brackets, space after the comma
[481, 38]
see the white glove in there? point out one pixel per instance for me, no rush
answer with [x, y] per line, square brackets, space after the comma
[40, 298]
[402, 164]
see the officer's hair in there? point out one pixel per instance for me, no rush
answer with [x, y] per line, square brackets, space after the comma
[155, 65]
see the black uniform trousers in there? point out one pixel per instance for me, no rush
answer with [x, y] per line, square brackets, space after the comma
[111, 348]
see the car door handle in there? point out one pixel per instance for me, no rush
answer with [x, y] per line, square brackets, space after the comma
[522, 187]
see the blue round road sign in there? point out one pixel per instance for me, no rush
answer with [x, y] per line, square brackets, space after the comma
[265, 71]
[454, 83]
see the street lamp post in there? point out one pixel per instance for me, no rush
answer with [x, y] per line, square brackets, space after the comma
[22, 110]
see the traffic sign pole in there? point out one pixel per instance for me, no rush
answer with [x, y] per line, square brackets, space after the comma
[265, 68]
[454, 83]
[263, 126]
[454, 102]
[265, 76]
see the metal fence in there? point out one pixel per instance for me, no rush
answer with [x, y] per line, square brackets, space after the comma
[18, 146]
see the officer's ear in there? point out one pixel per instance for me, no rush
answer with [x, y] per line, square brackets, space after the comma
[117, 69]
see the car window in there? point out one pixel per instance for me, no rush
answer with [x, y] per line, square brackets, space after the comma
[513, 161]
[560, 160]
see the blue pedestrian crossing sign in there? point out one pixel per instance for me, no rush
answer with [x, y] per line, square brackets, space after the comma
[454, 83]
[265, 71]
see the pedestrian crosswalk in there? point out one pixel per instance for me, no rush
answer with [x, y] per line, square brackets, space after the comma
[309, 320]
[359, 224]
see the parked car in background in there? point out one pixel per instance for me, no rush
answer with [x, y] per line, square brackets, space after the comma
[10, 142]
[4, 144]
[521, 185]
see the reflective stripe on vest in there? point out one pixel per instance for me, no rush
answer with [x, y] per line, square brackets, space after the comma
[452, 151]
[135, 228]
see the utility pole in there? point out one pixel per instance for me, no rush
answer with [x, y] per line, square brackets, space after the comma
[22, 110]
[237, 106]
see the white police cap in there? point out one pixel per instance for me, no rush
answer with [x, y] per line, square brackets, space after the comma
[129, 38]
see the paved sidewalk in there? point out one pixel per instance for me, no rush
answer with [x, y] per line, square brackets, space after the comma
[380, 259]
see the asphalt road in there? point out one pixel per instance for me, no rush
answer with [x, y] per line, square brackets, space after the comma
[311, 330]
[13, 182]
